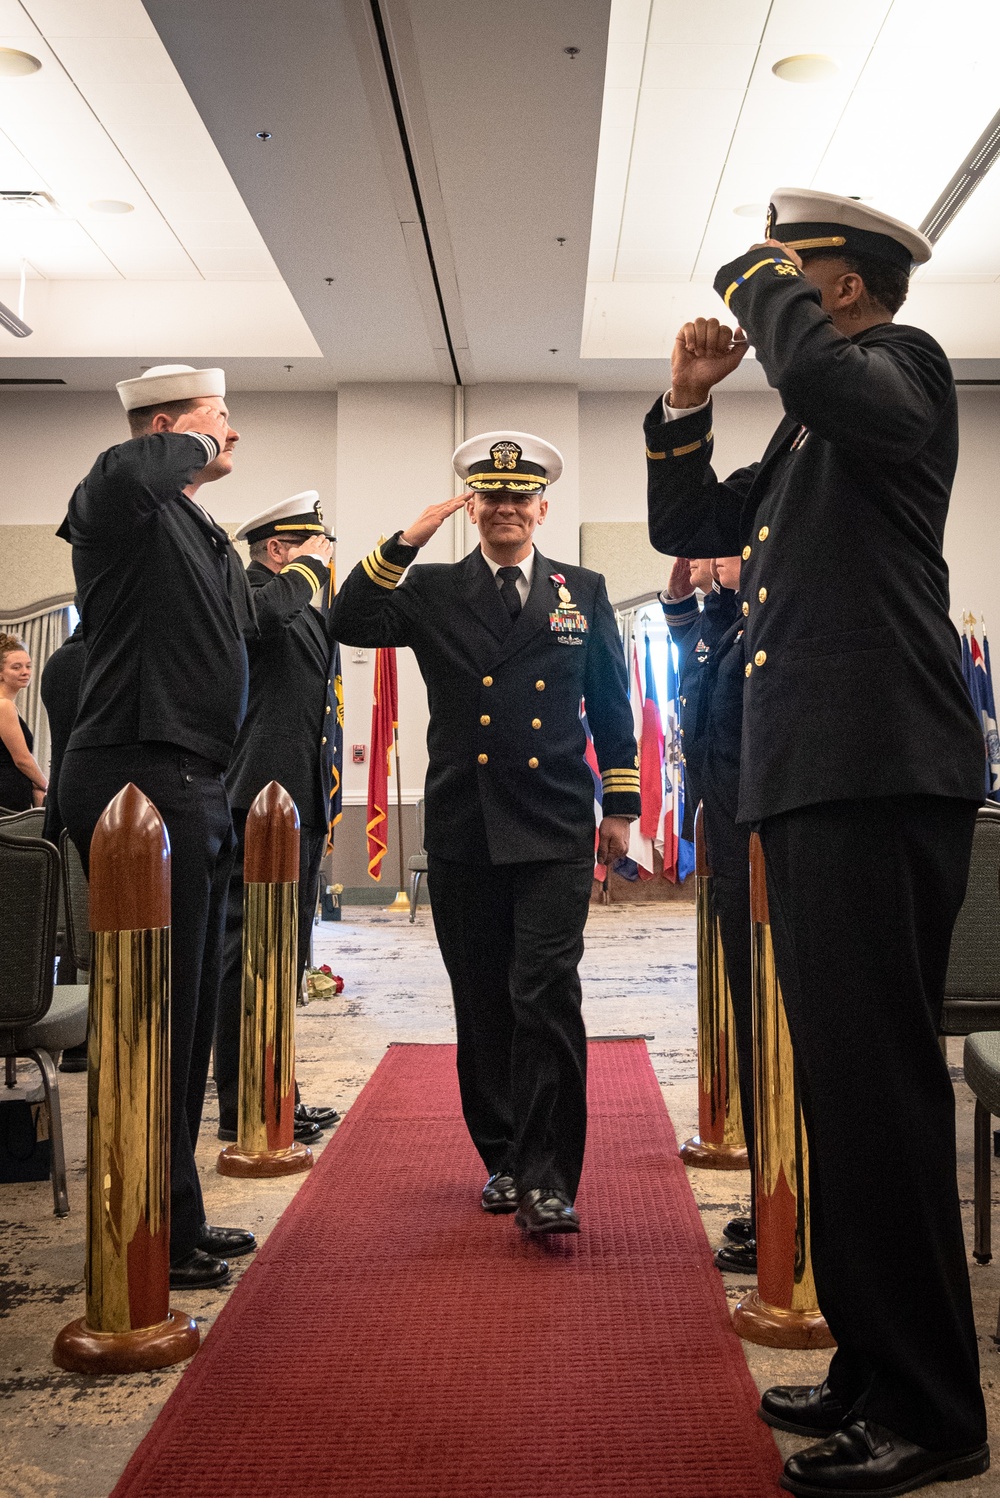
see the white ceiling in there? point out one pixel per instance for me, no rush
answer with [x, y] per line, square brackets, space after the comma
[307, 249]
[696, 126]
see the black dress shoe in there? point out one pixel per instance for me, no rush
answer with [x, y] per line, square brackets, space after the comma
[738, 1229]
[867, 1461]
[74, 1058]
[803, 1411]
[324, 1118]
[500, 1194]
[198, 1271]
[304, 1133]
[544, 1211]
[226, 1242]
[737, 1258]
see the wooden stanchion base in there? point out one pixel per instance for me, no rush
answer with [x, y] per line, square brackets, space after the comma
[774, 1326]
[236, 1162]
[79, 1349]
[695, 1151]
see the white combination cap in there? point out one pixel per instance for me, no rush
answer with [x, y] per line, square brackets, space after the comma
[804, 219]
[170, 382]
[507, 460]
[301, 513]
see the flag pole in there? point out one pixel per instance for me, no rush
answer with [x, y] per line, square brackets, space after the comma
[402, 900]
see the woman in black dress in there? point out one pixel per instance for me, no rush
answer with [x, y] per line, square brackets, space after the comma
[22, 783]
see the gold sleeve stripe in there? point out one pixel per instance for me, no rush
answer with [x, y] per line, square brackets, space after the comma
[682, 452]
[382, 571]
[387, 566]
[369, 563]
[771, 260]
[310, 577]
[620, 777]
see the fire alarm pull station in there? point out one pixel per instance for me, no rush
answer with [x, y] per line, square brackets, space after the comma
[358, 753]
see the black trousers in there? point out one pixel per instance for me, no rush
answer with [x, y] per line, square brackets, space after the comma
[312, 842]
[728, 848]
[511, 936]
[863, 896]
[190, 796]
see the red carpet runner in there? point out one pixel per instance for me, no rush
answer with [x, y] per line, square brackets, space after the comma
[393, 1341]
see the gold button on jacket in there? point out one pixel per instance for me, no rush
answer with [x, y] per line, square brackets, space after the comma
[763, 533]
[746, 553]
[487, 681]
[484, 759]
[760, 658]
[536, 722]
[532, 763]
[539, 686]
[746, 609]
[485, 720]
[762, 595]
[748, 668]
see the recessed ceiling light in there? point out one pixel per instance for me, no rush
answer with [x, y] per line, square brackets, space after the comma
[751, 210]
[806, 67]
[14, 64]
[110, 205]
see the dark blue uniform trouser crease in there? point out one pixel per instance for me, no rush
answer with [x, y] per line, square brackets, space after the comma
[863, 897]
[190, 796]
[511, 936]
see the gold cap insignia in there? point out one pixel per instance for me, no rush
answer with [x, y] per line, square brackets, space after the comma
[505, 455]
[770, 221]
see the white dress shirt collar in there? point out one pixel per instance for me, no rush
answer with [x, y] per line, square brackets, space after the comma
[527, 566]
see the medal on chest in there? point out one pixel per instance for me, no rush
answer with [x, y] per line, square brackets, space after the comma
[566, 622]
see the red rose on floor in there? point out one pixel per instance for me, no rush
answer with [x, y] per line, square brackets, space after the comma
[327, 969]
[338, 983]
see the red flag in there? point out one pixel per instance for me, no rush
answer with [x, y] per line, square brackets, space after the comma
[385, 717]
[650, 755]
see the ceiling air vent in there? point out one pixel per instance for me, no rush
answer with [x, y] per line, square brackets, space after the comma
[32, 382]
[24, 201]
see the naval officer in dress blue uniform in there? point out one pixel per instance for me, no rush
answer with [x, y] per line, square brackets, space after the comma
[288, 735]
[862, 767]
[166, 615]
[509, 644]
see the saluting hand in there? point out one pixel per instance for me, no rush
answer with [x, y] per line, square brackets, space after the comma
[320, 547]
[207, 419]
[430, 520]
[705, 351]
[775, 244]
[680, 584]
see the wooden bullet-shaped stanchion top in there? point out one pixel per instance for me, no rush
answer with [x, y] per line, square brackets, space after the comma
[129, 866]
[758, 883]
[702, 866]
[272, 838]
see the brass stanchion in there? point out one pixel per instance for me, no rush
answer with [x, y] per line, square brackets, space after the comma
[720, 1143]
[128, 1326]
[782, 1311]
[265, 1143]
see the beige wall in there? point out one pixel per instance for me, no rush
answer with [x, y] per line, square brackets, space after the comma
[378, 454]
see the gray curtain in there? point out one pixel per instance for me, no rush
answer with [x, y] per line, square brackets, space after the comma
[42, 636]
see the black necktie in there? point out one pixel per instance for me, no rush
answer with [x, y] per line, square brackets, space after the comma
[508, 590]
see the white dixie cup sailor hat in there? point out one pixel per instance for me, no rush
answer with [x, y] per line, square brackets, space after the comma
[170, 382]
[507, 460]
